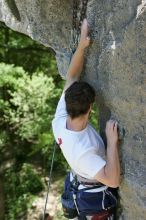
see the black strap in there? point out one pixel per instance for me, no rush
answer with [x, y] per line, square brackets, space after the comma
[76, 184]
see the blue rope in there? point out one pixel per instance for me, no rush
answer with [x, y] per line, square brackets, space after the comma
[50, 178]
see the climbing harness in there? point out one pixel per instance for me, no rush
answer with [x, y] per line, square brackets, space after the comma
[91, 200]
[79, 13]
[50, 178]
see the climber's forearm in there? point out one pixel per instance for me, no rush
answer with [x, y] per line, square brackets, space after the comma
[110, 173]
[75, 67]
[112, 168]
[76, 64]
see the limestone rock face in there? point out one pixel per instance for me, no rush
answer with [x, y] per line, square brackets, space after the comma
[115, 65]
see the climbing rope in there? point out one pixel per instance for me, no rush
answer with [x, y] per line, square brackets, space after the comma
[50, 178]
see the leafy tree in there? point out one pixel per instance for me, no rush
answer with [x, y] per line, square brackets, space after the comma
[18, 49]
[28, 98]
[27, 107]
[21, 188]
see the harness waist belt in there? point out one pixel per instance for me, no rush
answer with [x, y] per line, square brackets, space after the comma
[85, 181]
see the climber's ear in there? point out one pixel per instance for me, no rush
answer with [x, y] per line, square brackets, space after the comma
[90, 109]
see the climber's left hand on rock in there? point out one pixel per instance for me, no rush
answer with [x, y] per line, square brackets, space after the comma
[84, 39]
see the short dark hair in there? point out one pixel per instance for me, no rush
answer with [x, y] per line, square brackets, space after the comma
[78, 97]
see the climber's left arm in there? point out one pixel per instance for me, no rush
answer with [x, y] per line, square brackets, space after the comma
[76, 65]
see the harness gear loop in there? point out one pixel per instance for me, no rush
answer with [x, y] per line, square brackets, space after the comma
[74, 198]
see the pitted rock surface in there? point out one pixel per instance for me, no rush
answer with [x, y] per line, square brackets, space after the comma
[115, 65]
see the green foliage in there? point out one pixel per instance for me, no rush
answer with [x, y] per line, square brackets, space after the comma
[32, 107]
[27, 108]
[18, 49]
[29, 180]
[3, 139]
[28, 98]
[27, 104]
[20, 190]
[94, 117]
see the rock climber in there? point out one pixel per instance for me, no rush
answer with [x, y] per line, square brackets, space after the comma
[81, 145]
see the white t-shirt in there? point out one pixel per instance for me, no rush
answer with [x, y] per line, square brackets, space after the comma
[84, 150]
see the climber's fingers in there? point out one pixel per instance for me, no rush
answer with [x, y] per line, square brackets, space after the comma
[111, 132]
[84, 39]
[84, 29]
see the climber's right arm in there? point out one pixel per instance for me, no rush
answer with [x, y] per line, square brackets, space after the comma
[76, 65]
[110, 173]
